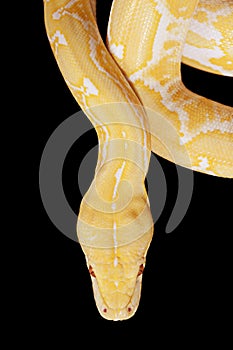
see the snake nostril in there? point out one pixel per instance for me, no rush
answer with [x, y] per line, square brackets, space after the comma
[141, 269]
[105, 310]
[129, 309]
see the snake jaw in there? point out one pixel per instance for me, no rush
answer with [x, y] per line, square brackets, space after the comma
[118, 313]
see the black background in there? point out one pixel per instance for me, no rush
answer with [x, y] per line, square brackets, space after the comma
[187, 280]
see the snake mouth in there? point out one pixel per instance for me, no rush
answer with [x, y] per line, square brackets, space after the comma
[117, 313]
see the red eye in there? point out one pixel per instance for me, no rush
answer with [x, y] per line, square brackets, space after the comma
[141, 269]
[91, 271]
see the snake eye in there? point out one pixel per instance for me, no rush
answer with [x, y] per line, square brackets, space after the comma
[141, 269]
[91, 271]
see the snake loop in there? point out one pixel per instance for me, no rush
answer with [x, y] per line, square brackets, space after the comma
[133, 94]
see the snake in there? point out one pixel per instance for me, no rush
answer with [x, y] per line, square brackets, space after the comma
[130, 87]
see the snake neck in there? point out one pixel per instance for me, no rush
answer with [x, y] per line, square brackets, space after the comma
[107, 99]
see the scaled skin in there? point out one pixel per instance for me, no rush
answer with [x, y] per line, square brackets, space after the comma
[209, 41]
[186, 128]
[115, 226]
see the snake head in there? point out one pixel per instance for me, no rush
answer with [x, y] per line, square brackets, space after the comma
[116, 276]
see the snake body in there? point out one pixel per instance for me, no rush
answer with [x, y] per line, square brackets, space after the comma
[133, 94]
[153, 68]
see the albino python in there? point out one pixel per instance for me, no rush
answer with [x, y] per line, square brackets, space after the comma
[131, 90]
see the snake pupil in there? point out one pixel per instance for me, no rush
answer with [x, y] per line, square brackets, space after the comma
[141, 269]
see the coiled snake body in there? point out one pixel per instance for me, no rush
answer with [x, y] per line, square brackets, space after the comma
[132, 92]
